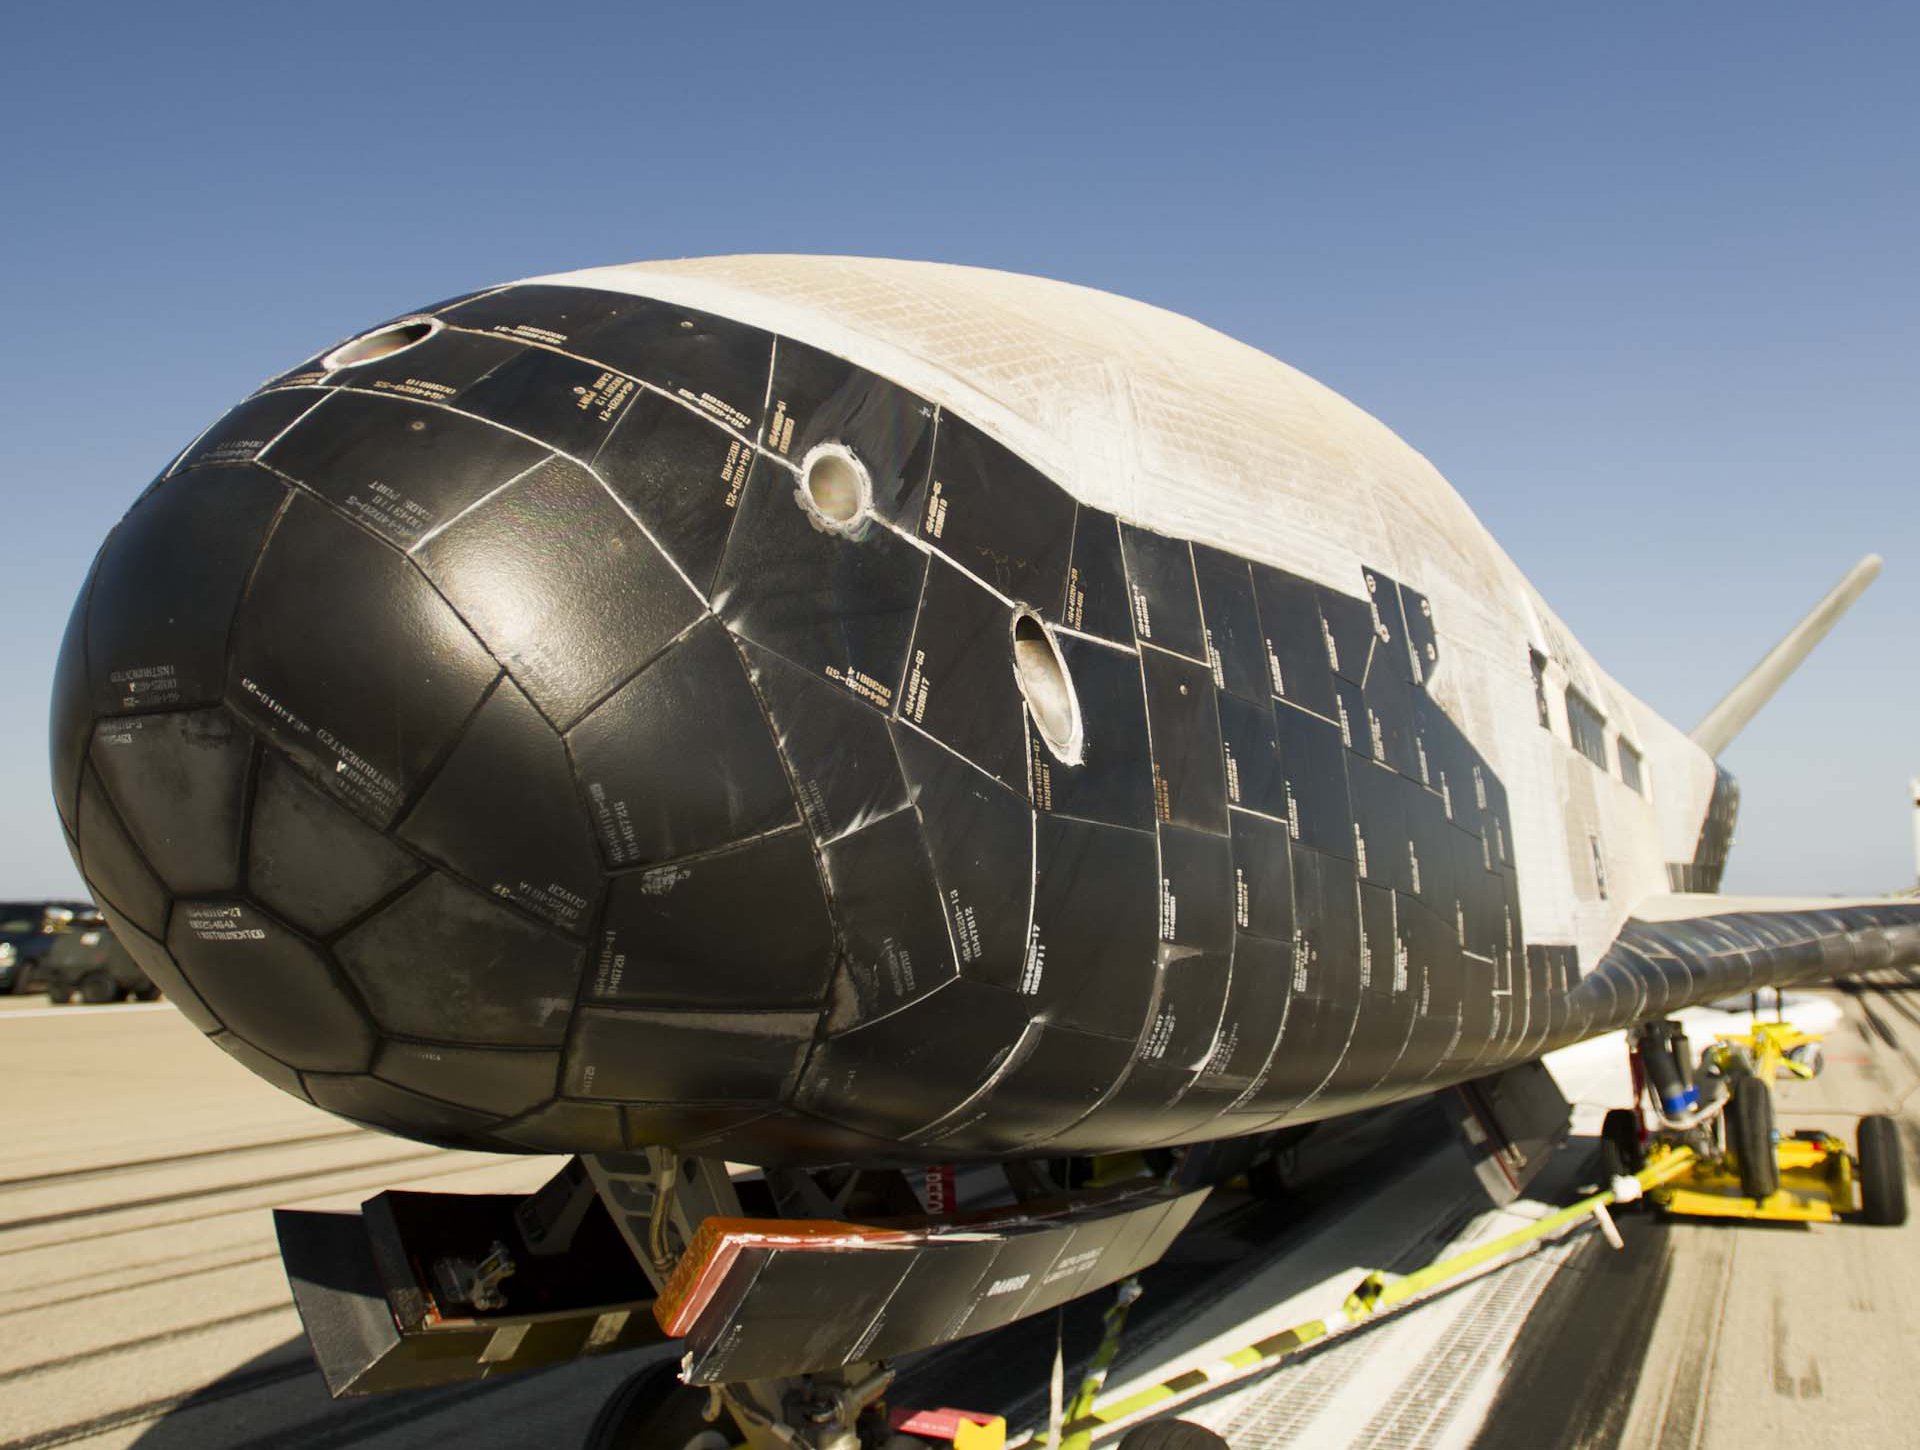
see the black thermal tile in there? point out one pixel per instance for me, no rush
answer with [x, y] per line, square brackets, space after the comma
[502, 812]
[1097, 601]
[1438, 852]
[400, 467]
[112, 864]
[1160, 584]
[311, 860]
[1235, 647]
[1296, 641]
[1263, 877]
[1350, 709]
[396, 1110]
[1250, 1021]
[1349, 634]
[1391, 654]
[1189, 762]
[744, 928]
[1379, 947]
[838, 747]
[261, 1064]
[1422, 643]
[893, 931]
[1450, 761]
[246, 430]
[1091, 962]
[980, 838]
[1313, 767]
[1499, 825]
[269, 985]
[682, 475]
[680, 759]
[1251, 742]
[960, 682]
[569, 405]
[346, 658]
[998, 516]
[162, 969]
[1056, 1078]
[1391, 703]
[1193, 994]
[70, 719]
[443, 962]
[1380, 825]
[562, 586]
[914, 1066]
[434, 369]
[1113, 782]
[156, 631]
[180, 784]
[819, 398]
[1197, 906]
[839, 606]
[487, 1080]
[1326, 931]
[568, 1127]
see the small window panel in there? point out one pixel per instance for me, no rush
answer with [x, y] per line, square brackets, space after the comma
[1630, 770]
[1540, 688]
[1587, 727]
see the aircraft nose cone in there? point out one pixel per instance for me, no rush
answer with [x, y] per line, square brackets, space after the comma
[420, 775]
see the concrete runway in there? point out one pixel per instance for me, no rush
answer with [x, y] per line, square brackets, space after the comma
[141, 1299]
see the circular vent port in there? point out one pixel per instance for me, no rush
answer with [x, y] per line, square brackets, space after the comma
[834, 485]
[381, 342]
[1047, 688]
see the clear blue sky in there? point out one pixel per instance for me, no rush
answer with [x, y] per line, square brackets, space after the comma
[1639, 279]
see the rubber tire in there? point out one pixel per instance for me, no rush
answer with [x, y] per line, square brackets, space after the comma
[58, 995]
[1750, 1137]
[98, 989]
[652, 1410]
[1171, 1435]
[148, 993]
[1883, 1172]
[1621, 1152]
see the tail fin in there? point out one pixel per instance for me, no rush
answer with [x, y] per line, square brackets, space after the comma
[1732, 715]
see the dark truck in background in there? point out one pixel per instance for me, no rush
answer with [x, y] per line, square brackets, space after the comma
[88, 962]
[29, 929]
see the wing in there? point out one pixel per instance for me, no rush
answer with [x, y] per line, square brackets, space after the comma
[1680, 951]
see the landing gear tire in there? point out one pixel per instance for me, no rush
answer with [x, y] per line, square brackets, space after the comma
[1171, 1435]
[652, 1410]
[1621, 1153]
[58, 995]
[146, 994]
[98, 989]
[1750, 1138]
[1883, 1178]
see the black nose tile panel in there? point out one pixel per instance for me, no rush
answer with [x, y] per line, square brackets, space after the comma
[1390, 703]
[310, 860]
[1091, 962]
[1262, 973]
[1197, 904]
[1392, 653]
[998, 517]
[979, 836]
[1313, 767]
[1113, 782]
[1251, 745]
[503, 813]
[960, 682]
[399, 467]
[164, 971]
[1296, 640]
[180, 783]
[562, 586]
[1054, 1078]
[1350, 634]
[1422, 642]
[396, 1110]
[1165, 598]
[244, 433]
[567, 404]
[112, 864]
[269, 985]
[837, 746]
[1262, 877]
[261, 1064]
[1097, 600]
[676, 936]
[433, 370]
[1232, 618]
[445, 963]
[819, 398]
[1189, 776]
[1380, 826]
[680, 759]
[367, 703]
[683, 477]
[686, 1057]
[166, 585]
[503, 1084]
[788, 586]
[893, 929]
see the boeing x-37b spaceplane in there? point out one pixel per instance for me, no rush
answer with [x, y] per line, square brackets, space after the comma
[855, 718]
